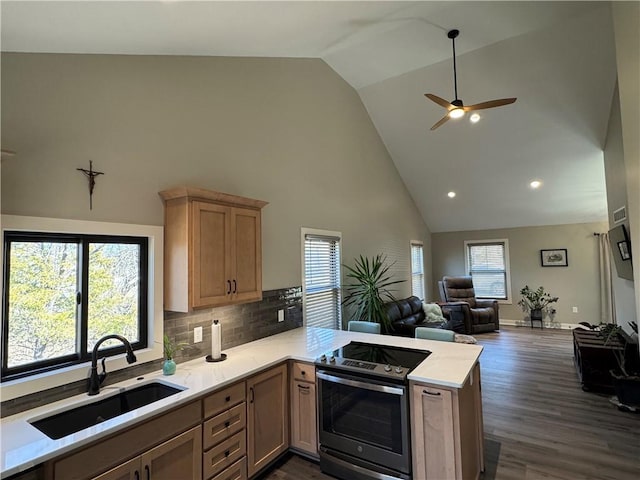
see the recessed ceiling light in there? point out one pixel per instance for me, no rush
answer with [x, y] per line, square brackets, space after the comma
[474, 118]
[451, 194]
[535, 184]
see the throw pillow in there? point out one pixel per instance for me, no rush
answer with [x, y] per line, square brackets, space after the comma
[433, 312]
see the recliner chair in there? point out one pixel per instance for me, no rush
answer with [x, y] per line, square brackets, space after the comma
[479, 316]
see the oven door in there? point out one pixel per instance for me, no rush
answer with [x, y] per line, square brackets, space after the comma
[364, 418]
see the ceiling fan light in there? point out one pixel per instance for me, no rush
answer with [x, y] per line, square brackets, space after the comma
[456, 113]
[474, 118]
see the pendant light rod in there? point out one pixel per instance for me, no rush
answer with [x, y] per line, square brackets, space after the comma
[452, 34]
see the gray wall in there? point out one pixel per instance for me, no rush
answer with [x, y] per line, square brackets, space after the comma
[287, 131]
[577, 285]
[626, 22]
[616, 178]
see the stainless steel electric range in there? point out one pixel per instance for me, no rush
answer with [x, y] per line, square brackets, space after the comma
[363, 411]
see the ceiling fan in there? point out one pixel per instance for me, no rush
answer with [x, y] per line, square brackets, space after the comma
[456, 108]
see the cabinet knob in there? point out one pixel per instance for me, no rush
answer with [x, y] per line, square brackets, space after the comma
[226, 424]
[226, 454]
[227, 398]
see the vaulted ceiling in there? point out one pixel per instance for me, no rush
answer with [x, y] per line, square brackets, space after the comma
[557, 58]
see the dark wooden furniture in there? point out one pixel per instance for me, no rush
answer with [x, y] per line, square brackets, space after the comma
[594, 359]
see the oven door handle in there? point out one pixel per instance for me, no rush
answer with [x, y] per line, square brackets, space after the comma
[367, 386]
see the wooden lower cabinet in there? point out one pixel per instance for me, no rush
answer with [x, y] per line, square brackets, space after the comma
[267, 418]
[447, 433]
[179, 457]
[304, 431]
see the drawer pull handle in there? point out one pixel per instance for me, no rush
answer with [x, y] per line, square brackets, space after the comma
[229, 289]
[226, 454]
[436, 394]
[226, 424]
[303, 387]
[147, 471]
[252, 394]
[137, 475]
[227, 398]
[235, 286]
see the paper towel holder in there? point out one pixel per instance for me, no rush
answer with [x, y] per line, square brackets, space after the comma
[209, 358]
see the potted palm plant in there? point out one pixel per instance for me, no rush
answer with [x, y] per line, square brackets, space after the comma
[536, 302]
[368, 289]
[170, 348]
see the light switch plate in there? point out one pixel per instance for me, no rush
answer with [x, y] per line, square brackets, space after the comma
[575, 309]
[280, 315]
[197, 335]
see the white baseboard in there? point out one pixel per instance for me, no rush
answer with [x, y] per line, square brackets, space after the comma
[547, 324]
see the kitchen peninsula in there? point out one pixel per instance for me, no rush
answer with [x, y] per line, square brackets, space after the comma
[445, 407]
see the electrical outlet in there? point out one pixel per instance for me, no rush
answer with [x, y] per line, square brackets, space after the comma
[574, 309]
[280, 315]
[197, 335]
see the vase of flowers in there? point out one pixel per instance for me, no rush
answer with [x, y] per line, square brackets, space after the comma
[536, 302]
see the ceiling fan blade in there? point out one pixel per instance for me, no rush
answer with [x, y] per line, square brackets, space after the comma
[440, 122]
[440, 101]
[490, 104]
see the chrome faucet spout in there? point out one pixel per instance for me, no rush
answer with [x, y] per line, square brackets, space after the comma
[95, 379]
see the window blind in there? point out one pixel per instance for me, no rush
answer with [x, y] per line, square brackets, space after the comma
[322, 281]
[487, 267]
[417, 270]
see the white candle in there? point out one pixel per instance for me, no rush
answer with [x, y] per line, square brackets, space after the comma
[216, 341]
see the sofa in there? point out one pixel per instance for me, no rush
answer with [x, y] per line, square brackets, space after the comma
[407, 314]
[458, 296]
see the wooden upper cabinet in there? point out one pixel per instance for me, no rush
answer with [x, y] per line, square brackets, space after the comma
[213, 249]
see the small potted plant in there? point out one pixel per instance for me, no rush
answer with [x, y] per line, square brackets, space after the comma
[536, 302]
[170, 348]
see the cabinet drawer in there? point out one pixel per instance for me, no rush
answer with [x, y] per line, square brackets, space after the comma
[304, 371]
[237, 471]
[224, 399]
[224, 425]
[224, 454]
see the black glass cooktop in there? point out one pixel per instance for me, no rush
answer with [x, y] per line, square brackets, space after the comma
[376, 359]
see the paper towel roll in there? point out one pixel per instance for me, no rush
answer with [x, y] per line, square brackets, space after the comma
[216, 341]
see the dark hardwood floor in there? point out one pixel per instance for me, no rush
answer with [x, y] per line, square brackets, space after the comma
[538, 422]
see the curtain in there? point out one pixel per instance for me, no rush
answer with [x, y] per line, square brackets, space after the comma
[607, 302]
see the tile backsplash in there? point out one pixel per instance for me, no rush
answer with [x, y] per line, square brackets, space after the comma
[240, 324]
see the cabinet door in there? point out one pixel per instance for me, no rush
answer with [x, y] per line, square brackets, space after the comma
[433, 433]
[211, 262]
[180, 457]
[127, 471]
[303, 417]
[267, 418]
[246, 254]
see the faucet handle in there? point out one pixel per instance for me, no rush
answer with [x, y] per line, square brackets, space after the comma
[103, 375]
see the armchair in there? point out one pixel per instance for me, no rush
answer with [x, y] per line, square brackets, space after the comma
[479, 316]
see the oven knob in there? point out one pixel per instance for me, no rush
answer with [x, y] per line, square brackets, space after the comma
[323, 358]
[398, 370]
[332, 359]
[387, 368]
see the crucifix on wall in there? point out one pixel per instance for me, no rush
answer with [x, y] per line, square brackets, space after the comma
[91, 175]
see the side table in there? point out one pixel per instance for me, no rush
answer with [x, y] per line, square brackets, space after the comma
[594, 359]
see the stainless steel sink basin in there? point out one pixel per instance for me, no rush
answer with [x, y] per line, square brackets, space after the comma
[84, 416]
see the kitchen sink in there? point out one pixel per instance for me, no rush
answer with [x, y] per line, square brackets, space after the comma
[84, 416]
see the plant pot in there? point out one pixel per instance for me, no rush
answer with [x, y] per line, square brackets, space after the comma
[627, 389]
[169, 367]
[536, 315]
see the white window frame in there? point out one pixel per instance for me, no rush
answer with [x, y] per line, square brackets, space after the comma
[417, 243]
[304, 231]
[155, 314]
[507, 265]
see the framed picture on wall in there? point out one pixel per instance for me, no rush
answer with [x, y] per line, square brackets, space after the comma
[623, 246]
[554, 258]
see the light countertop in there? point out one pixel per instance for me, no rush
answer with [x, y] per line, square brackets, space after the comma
[22, 446]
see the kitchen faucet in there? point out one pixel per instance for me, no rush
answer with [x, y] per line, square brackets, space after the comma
[96, 380]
